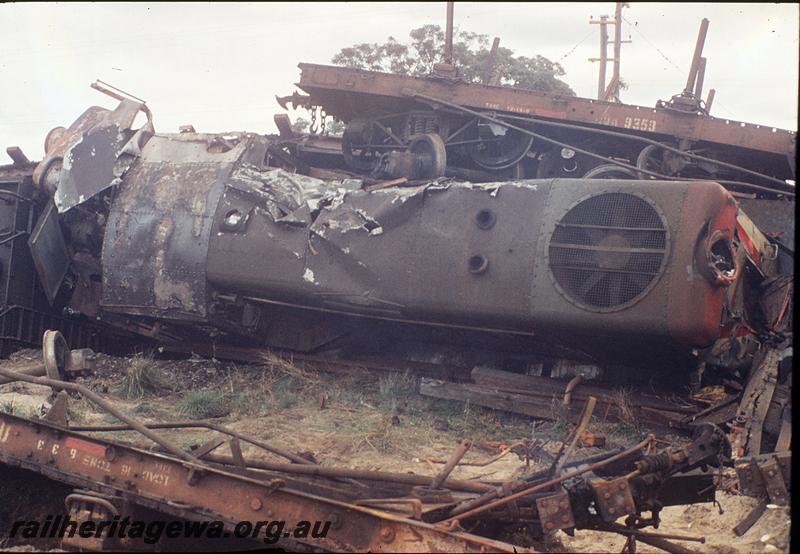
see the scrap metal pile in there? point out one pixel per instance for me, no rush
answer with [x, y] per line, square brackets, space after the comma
[652, 244]
[368, 510]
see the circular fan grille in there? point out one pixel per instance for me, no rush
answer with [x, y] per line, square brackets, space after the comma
[608, 250]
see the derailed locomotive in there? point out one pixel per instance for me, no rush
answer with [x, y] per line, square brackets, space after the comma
[191, 237]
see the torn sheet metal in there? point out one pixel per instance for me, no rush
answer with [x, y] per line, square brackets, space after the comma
[92, 154]
[156, 239]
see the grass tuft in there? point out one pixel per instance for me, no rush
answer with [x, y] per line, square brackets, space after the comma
[396, 389]
[142, 377]
[12, 408]
[250, 403]
[205, 403]
[8, 407]
[286, 368]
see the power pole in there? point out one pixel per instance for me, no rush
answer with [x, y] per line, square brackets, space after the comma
[610, 93]
[603, 59]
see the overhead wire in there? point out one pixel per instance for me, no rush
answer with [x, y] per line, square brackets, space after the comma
[590, 33]
[663, 55]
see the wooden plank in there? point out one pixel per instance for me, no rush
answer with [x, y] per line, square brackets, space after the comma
[538, 406]
[488, 398]
[529, 384]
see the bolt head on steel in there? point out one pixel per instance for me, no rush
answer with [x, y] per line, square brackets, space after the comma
[386, 534]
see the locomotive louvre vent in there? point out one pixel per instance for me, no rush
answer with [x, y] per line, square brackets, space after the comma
[608, 251]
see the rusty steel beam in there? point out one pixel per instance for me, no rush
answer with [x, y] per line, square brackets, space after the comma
[448, 36]
[553, 388]
[652, 539]
[362, 474]
[701, 73]
[696, 58]
[201, 492]
[200, 424]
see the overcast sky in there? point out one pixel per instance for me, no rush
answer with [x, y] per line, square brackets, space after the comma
[218, 66]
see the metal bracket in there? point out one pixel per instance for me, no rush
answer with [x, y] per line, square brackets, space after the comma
[555, 512]
[57, 414]
[613, 498]
[768, 475]
[775, 485]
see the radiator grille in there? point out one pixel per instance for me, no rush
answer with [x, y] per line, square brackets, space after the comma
[608, 250]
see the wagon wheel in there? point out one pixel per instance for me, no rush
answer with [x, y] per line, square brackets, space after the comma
[54, 352]
[498, 147]
[430, 149]
[657, 159]
[651, 158]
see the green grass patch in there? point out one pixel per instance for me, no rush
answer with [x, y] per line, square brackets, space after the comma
[205, 403]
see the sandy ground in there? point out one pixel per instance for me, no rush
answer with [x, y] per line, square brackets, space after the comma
[379, 424]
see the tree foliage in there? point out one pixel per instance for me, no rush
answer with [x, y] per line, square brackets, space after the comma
[470, 55]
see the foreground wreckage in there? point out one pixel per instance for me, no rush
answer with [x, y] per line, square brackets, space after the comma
[367, 510]
[219, 243]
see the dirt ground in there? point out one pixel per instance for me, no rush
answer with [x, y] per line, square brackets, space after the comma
[370, 422]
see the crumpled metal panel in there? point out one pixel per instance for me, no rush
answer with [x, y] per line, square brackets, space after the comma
[94, 152]
[156, 239]
[402, 253]
[774, 218]
[60, 140]
[414, 249]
